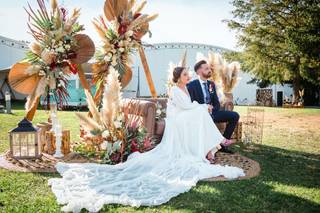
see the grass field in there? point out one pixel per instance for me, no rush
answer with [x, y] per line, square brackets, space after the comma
[289, 157]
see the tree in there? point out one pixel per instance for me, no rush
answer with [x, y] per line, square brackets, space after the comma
[280, 40]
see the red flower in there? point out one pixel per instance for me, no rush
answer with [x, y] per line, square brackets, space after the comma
[115, 157]
[122, 29]
[134, 146]
[73, 68]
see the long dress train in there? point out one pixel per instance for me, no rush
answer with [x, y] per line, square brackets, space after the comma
[150, 178]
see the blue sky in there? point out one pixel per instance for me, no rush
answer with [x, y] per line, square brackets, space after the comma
[179, 20]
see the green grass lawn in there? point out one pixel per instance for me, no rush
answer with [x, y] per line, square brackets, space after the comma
[289, 181]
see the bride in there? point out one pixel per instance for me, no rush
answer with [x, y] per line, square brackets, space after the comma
[183, 157]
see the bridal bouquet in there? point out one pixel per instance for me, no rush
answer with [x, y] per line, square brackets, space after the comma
[120, 31]
[111, 134]
[53, 56]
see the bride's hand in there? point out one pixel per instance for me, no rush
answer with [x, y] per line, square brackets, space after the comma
[210, 108]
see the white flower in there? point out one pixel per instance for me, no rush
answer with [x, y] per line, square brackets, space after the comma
[104, 145]
[117, 145]
[115, 138]
[105, 133]
[114, 63]
[60, 49]
[117, 124]
[42, 73]
[121, 49]
[107, 58]
[129, 33]
[158, 111]
[120, 117]
[33, 69]
[67, 46]
[60, 43]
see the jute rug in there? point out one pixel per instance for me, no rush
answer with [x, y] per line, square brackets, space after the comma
[47, 163]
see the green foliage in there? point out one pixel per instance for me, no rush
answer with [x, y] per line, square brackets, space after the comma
[280, 39]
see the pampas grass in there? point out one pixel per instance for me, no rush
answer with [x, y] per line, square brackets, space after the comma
[111, 97]
[223, 74]
[92, 108]
[87, 123]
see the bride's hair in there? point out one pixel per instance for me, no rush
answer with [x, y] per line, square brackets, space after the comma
[177, 73]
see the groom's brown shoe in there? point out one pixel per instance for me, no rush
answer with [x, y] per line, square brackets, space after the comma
[225, 149]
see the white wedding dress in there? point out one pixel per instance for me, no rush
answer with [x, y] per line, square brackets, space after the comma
[150, 178]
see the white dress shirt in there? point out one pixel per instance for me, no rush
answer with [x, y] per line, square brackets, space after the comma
[203, 88]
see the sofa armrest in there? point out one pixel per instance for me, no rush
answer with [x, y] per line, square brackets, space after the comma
[143, 108]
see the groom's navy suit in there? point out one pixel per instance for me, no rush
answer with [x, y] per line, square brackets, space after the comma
[196, 93]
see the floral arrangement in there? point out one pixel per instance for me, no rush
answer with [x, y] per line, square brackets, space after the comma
[120, 31]
[160, 111]
[54, 55]
[111, 134]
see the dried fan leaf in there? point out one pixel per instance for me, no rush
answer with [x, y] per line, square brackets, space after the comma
[85, 49]
[21, 81]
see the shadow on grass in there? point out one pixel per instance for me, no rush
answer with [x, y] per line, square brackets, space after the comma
[287, 183]
[286, 179]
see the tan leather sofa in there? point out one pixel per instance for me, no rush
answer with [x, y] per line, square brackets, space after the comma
[147, 112]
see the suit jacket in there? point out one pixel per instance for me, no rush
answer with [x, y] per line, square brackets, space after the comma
[195, 91]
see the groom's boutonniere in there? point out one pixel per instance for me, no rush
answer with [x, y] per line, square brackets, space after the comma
[211, 87]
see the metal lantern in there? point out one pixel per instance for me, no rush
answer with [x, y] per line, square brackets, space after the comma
[24, 141]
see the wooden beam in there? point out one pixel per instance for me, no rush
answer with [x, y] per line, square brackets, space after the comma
[82, 78]
[32, 111]
[147, 72]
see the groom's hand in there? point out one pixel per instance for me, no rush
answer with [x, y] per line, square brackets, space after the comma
[210, 108]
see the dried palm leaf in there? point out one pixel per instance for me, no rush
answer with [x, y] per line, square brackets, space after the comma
[131, 4]
[21, 81]
[140, 7]
[99, 30]
[152, 17]
[126, 77]
[85, 49]
[109, 10]
[138, 21]
[54, 5]
[183, 62]
[119, 7]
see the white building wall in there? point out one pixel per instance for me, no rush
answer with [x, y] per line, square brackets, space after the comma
[11, 52]
[160, 55]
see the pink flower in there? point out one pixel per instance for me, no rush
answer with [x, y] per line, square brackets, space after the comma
[134, 124]
[146, 143]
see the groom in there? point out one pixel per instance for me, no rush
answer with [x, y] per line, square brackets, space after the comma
[204, 91]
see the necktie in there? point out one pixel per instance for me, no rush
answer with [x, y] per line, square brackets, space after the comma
[207, 95]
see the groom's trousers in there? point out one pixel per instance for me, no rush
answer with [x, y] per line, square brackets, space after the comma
[230, 117]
